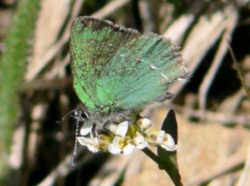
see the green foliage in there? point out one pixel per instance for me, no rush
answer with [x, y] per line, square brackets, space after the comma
[166, 160]
[13, 62]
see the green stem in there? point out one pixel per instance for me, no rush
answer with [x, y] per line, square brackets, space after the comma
[167, 166]
[13, 61]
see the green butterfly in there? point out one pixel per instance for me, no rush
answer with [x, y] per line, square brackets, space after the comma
[118, 71]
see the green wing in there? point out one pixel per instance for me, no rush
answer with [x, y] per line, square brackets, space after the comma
[117, 69]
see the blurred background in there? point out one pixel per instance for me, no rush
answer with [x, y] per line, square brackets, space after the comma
[212, 106]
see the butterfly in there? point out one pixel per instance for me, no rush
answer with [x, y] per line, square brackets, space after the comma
[117, 71]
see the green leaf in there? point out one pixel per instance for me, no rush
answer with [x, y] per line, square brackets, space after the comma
[168, 160]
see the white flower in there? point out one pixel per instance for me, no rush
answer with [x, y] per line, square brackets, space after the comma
[115, 146]
[166, 141]
[111, 127]
[92, 148]
[122, 129]
[144, 123]
[140, 141]
[128, 149]
[86, 129]
[84, 140]
[90, 143]
[160, 136]
[169, 144]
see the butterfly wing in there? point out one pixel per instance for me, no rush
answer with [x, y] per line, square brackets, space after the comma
[117, 68]
[93, 44]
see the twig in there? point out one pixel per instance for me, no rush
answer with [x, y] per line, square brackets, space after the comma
[111, 170]
[64, 168]
[239, 71]
[192, 55]
[50, 54]
[232, 168]
[150, 154]
[179, 27]
[41, 84]
[245, 175]
[230, 24]
[232, 103]
[61, 170]
[148, 20]
[214, 116]
[31, 137]
[110, 8]
[58, 68]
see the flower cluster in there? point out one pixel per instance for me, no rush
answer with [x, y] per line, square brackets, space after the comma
[124, 138]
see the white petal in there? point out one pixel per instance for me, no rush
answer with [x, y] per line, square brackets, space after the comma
[171, 141]
[145, 123]
[86, 129]
[90, 143]
[92, 148]
[128, 149]
[140, 142]
[84, 141]
[167, 148]
[122, 129]
[114, 147]
[112, 127]
[160, 136]
[169, 144]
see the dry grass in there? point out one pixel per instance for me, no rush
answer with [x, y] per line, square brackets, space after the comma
[213, 105]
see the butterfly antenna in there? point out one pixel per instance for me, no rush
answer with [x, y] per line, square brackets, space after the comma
[65, 116]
